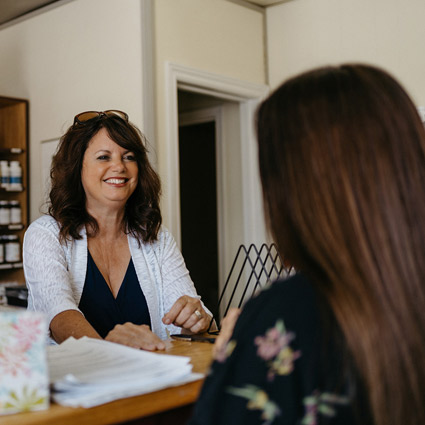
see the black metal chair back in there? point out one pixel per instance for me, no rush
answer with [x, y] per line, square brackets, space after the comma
[252, 269]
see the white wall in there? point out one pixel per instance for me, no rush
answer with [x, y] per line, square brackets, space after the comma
[210, 35]
[87, 54]
[83, 55]
[389, 33]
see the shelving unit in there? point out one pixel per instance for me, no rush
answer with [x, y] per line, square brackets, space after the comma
[14, 147]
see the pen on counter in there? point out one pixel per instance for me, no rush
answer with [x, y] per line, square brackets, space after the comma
[197, 338]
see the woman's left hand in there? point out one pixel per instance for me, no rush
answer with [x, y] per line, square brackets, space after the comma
[187, 313]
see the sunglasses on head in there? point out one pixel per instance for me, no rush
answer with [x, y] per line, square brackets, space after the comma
[83, 117]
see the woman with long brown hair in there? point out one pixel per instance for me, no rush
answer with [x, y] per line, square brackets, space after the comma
[342, 165]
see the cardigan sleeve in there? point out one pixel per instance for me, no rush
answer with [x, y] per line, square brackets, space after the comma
[176, 277]
[46, 271]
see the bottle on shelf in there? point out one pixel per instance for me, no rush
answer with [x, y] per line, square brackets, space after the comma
[15, 212]
[12, 249]
[5, 174]
[1, 249]
[15, 176]
[4, 213]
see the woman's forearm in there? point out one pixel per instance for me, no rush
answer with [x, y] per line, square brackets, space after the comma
[71, 323]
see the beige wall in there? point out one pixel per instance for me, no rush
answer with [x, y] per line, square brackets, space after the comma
[213, 35]
[87, 54]
[389, 33]
[83, 55]
[210, 35]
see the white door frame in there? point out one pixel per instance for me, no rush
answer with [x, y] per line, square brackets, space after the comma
[248, 95]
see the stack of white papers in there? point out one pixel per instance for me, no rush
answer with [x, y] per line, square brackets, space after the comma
[88, 372]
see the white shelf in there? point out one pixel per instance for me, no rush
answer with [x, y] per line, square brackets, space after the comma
[9, 266]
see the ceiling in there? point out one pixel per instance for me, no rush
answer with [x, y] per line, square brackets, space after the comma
[13, 9]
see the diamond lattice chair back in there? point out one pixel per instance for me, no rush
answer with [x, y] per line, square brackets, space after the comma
[252, 269]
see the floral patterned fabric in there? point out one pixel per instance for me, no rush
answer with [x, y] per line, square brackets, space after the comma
[278, 367]
[24, 384]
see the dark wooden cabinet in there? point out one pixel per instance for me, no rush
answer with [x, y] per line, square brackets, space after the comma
[13, 147]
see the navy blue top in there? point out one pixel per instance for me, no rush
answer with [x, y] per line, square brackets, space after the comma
[102, 310]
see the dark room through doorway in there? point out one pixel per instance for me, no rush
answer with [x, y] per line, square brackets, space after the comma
[198, 207]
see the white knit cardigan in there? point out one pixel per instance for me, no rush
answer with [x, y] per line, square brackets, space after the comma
[55, 272]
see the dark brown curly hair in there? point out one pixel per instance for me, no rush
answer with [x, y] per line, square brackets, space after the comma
[142, 217]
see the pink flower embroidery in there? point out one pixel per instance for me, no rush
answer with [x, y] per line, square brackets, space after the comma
[274, 348]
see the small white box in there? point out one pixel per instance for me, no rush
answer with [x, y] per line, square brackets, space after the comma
[24, 383]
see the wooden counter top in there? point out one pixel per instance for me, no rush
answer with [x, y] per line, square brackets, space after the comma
[131, 408]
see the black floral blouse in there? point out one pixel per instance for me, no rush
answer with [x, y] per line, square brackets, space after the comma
[277, 368]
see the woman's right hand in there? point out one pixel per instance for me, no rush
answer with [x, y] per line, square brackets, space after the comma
[136, 336]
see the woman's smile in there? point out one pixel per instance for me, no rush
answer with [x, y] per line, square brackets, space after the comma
[115, 181]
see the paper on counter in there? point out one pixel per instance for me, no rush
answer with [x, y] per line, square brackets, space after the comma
[88, 372]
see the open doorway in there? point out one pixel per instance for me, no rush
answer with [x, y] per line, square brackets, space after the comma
[198, 207]
[192, 97]
[202, 198]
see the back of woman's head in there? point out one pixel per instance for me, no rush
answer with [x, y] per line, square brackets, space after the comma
[67, 196]
[342, 164]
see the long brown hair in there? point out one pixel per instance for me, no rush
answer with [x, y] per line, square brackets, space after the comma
[342, 164]
[67, 197]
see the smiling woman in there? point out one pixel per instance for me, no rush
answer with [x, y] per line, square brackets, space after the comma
[100, 264]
